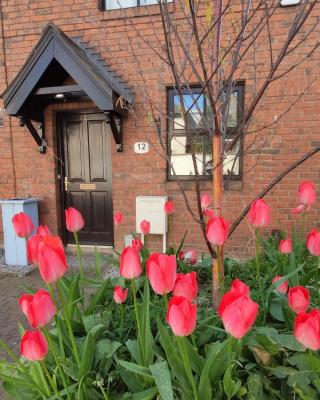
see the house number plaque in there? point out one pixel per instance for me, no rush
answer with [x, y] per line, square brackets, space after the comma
[141, 147]
[87, 186]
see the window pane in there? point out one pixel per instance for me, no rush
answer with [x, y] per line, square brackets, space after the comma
[233, 111]
[113, 4]
[195, 116]
[147, 2]
[181, 156]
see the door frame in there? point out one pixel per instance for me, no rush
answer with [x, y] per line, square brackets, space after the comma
[58, 117]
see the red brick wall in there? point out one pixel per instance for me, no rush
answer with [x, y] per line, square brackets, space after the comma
[133, 175]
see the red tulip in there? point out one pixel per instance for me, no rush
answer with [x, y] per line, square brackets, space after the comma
[120, 294]
[22, 224]
[313, 242]
[217, 230]
[283, 287]
[33, 245]
[205, 201]
[181, 316]
[299, 209]
[137, 244]
[299, 299]
[52, 259]
[307, 329]
[239, 287]
[43, 230]
[191, 257]
[74, 220]
[145, 227]
[307, 193]
[34, 346]
[209, 213]
[162, 272]
[181, 255]
[259, 214]
[186, 286]
[285, 246]
[118, 218]
[130, 265]
[39, 308]
[238, 313]
[169, 207]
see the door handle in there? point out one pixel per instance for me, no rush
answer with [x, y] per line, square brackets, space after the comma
[66, 183]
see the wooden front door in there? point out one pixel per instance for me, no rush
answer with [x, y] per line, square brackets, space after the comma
[86, 140]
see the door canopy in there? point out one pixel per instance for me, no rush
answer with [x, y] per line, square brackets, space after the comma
[45, 78]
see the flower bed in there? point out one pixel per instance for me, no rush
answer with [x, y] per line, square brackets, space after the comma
[152, 332]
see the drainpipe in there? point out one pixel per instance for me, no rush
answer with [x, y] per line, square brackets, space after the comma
[7, 82]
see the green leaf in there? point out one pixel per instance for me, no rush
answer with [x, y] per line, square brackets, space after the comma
[146, 336]
[97, 261]
[73, 294]
[288, 341]
[173, 357]
[181, 243]
[137, 369]
[147, 394]
[98, 298]
[161, 374]
[230, 386]
[254, 385]
[87, 351]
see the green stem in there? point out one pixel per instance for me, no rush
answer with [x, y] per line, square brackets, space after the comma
[79, 255]
[257, 258]
[186, 362]
[121, 319]
[221, 289]
[41, 378]
[136, 311]
[230, 344]
[53, 352]
[49, 377]
[318, 282]
[66, 315]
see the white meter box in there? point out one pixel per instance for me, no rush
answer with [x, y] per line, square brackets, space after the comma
[151, 208]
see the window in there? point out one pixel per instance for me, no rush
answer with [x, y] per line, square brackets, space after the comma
[116, 4]
[199, 123]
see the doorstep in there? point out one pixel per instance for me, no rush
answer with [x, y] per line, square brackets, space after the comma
[89, 249]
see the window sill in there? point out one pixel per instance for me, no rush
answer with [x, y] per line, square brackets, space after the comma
[233, 184]
[143, 11]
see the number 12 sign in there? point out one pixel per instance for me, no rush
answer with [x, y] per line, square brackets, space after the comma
[141, 147]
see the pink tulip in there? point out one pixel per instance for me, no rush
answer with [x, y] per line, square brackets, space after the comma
[169, 207]
[130, 265]
[22, 224]
[34, 346]
[118, 218]
[137, 244]
[162, 272]
[285, 246]
[145, 227]
[209, 213]
[299, 209]
[239, 287]
[205, 201]
[74, 220]
[52, 259]
[283, 287]
[259, 214]
[307, 329]
[299, 299]
[43, 230]
[307, 193]
[33, 246]
[238, 313]
[186, 286]
[217, 231]
[120, 294]
[313, 242]
[39, 308]
[181, 316]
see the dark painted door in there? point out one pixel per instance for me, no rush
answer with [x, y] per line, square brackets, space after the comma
[87, 175]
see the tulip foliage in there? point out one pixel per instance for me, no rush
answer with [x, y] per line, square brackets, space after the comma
[151, 331]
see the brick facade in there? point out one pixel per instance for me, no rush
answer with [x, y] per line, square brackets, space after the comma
[24, 171]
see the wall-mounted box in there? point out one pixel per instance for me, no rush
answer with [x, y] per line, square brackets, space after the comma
[151, 208]
[16, 248]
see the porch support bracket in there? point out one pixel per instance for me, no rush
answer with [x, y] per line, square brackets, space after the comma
[41, 141]
[116, 131]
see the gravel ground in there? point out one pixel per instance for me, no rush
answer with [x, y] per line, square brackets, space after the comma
[108, 271]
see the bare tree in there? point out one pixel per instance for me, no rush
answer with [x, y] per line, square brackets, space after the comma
[213, 43]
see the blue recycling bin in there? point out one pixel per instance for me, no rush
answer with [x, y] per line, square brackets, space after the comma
[16, 248]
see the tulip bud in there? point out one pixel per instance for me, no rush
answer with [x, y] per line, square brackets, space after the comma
[181, 316]
[118, 218]
[52, 259]
[307, 329]
[283, 287]
[162, 272]
[217, 231]
[39, 308]
[22, 224]
[299, 299]
[120, 294]
[285, 246]
[130, 265]
[313, 242]
[145, 227]
[74, 220]
[169, 207]
[34, 346]
[186, 286]
[259, 214]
